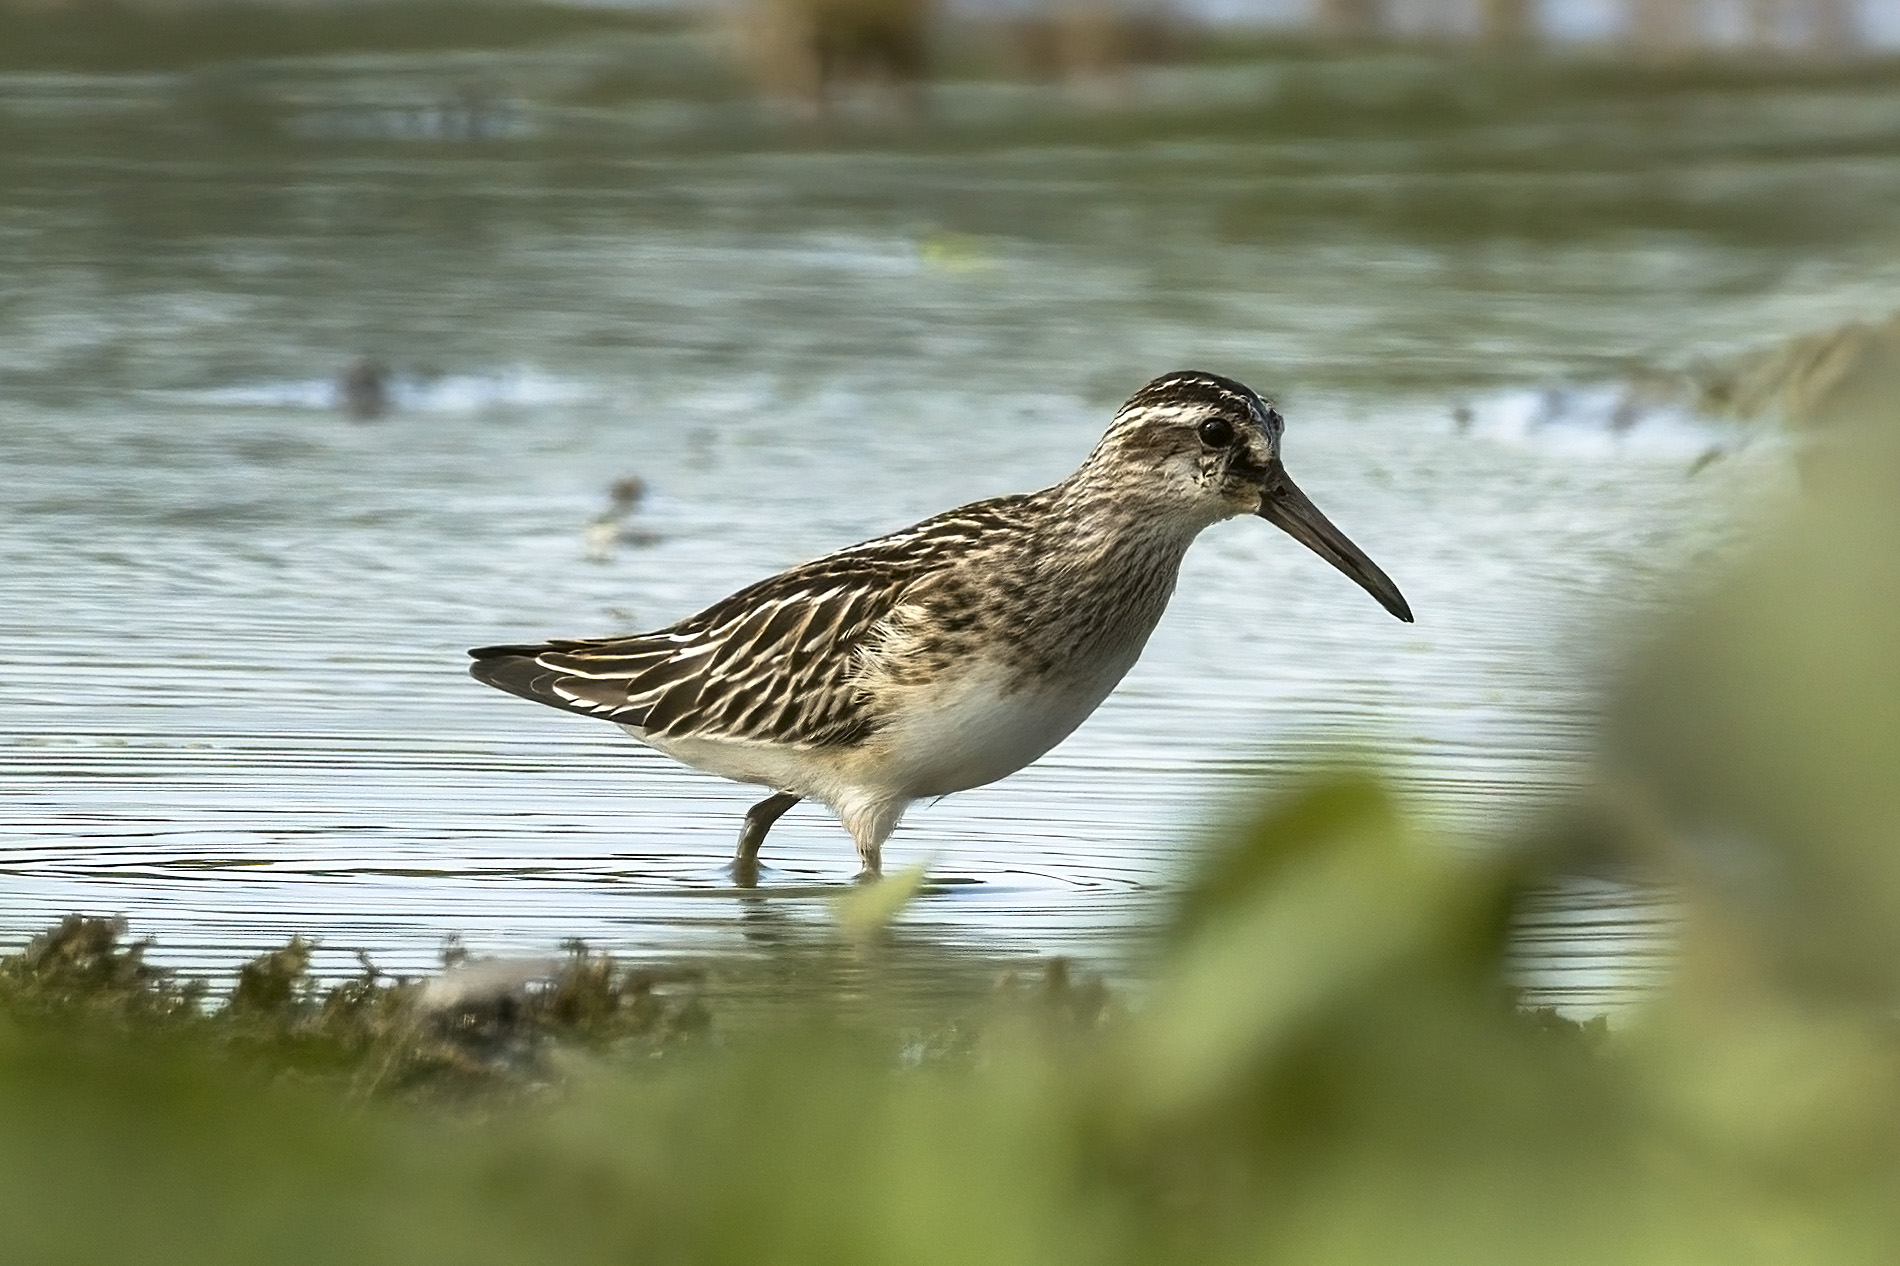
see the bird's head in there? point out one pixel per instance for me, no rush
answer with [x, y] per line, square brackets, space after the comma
[1206, 448]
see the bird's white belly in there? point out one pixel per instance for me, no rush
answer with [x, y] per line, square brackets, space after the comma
[800, 770]
[950, 736]
[974, 732]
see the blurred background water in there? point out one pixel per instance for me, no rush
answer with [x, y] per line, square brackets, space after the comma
[534, 260]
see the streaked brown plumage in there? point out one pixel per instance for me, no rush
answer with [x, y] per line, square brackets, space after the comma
[953, 652]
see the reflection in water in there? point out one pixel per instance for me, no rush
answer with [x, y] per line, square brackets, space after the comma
[234, 697]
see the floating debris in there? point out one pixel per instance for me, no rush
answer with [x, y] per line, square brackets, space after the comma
[609, 528]
[363, 389]
[954, 252]
[1706, 459]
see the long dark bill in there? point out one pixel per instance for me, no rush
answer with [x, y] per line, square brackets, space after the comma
[1286, 507]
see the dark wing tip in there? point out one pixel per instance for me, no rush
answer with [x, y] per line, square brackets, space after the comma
[497, 652]
[511, 668]
[518, 670]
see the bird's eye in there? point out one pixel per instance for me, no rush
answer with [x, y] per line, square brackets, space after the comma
[1217, 432]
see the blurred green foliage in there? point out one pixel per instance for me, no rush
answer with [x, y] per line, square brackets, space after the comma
[1760, 736]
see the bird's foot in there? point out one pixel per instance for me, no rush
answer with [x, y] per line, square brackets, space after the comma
[744, 871]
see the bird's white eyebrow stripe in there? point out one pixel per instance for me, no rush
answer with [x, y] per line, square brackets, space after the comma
[1165, 412]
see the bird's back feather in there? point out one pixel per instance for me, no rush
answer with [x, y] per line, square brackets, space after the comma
[779, 661]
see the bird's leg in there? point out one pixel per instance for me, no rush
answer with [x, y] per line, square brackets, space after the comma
[870, 825]
[758, 820]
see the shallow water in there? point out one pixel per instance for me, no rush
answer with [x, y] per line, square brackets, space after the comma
[234, 696]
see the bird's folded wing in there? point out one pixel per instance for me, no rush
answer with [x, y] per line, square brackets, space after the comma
[780, 661]
[776, 663]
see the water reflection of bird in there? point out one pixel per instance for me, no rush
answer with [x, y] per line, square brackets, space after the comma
[609, 527]
[954, 652]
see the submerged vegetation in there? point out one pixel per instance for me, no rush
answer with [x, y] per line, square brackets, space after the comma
[481, 1030]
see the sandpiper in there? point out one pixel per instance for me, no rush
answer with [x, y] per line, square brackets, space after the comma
[952, 653]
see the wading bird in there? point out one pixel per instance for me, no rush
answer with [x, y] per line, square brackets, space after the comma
[954, 652]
